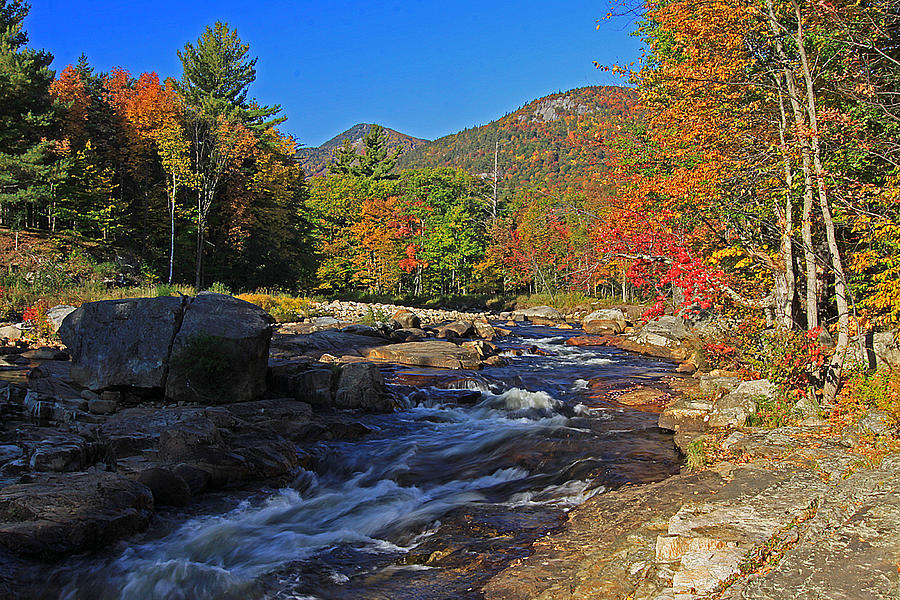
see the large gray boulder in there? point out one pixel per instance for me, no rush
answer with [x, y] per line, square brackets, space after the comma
[122, 342]
[221, 352]
[212, 349]
[665, 331]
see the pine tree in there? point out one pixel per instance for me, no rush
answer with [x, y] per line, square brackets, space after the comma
[27, 113]
[376, 162]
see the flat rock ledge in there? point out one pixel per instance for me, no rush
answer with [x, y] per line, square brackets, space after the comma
[791, 520]
[444, 355]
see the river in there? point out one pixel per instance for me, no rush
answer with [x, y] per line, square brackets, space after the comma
[442, 495]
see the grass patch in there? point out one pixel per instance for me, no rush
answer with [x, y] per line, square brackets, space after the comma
[696, 459]
[285, 309]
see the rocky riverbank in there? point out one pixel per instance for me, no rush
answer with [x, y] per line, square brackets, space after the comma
[790, 515]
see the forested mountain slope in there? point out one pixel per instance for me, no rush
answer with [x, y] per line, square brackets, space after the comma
[548, 141]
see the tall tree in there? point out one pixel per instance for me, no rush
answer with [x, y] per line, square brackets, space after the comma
[27, 113]
[218, 72]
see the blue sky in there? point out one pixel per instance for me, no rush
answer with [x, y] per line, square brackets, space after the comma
[425, 68]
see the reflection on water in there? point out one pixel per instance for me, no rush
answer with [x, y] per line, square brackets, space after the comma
[523, 440]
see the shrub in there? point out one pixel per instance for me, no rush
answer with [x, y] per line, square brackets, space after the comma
[772, 412]
[696, 454]
[36, 317]
[219, 288]
[373, 317]
[879, 390]
[790, 359]
[283, 308]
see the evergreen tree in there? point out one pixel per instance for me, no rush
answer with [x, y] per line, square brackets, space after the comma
[376, 162]
[216, 80]
[27, 113]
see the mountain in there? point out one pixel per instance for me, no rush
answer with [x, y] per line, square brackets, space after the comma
[315, 160]
[550, 141]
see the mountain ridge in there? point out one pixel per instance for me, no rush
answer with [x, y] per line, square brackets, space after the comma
[540, 143]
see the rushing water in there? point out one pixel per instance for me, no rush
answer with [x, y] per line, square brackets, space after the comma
[441, 495]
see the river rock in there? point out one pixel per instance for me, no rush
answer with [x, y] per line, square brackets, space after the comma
[484, 330]
[444, 355]
[10, 332]
[55, 515]
[358, 329]
[361, 385]
[56, 315]
[483, 348]
[61, 452]
[45, 353]
[187, 439]
[539, 315]
[131, 431]
[407, 319]
[409, 335]
[604, 321]
[456, 329]
[302, 380]
[663, 331]
[122, 342]
[230, 338]
[168, 489]
[333, 342]
[588, 340]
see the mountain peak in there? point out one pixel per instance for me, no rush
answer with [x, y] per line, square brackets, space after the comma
[315, 161]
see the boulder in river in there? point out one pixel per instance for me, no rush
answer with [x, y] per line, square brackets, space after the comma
[456, 329]
[213, 348]
[407, 319]
[444, 355]
[122, 342]
[221, 352]
[604, 321]
[539, 315]
[361, 385]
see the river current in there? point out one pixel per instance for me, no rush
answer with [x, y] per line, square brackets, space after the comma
[440, 496]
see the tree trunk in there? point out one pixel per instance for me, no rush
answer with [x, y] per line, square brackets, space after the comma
[812, 305]
[172, 229]
[833, 375]
[201, 225]
[785, 289]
